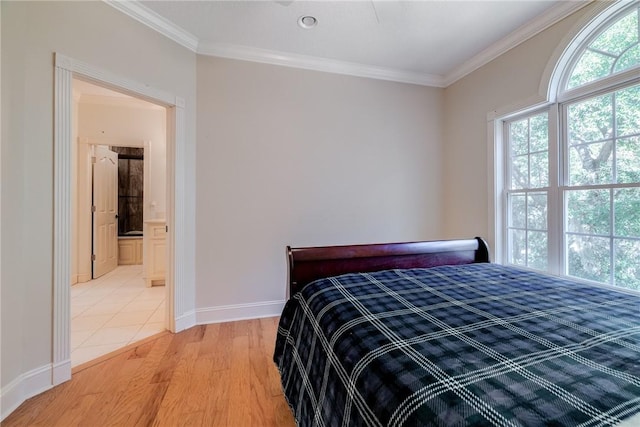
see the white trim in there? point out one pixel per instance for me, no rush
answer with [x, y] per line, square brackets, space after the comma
[178, 288]
[606, 83]
[555, 218]
[60, 371]
[185, 321]
[83, 71]
[63, 95]
[306, 62]
[229, 313]
[495, 183]
[522, 34]
[24, 387]
[156, 22]
[518, 108]
[153, 20]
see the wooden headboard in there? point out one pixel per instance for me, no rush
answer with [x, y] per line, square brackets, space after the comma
[309, 264]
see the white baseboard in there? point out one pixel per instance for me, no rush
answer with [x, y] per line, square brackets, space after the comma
[61, 372]
[24, 387]
[228, 313]
[186, 321]
[81, 278]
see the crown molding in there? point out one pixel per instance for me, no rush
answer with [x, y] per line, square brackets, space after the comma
[156, 22]
[146, 16]
[265, 56]
[522, 34]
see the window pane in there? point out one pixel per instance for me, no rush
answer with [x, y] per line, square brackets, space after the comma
[537, 211]
[520, 172]
[518, 211]
[627, 271]
[628, 59]
[619, 36]
[628, 111]
[591, 120]
[537, 250]
[519, 137]
[628, 160]
[588, 258]
[614, 50]
[539, 133]
[588, 211]
[539, 176]
[598, 164]
[590, 67]
[626, 205]
[591, 163]
[518, 247]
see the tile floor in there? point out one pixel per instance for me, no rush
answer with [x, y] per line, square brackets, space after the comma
[112, 311]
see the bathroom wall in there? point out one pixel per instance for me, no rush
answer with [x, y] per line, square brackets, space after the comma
[118, 122]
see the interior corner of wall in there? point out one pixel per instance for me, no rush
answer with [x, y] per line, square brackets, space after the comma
[24, 387]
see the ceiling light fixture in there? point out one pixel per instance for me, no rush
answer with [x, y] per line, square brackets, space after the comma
[307, 22]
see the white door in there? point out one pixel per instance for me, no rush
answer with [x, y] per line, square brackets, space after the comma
[105, 211]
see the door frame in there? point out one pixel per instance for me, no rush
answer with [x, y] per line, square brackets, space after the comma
[177, 287]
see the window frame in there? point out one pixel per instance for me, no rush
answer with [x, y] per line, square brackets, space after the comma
[558, 156]
[564, 185]
[507, 190]
[604, 82]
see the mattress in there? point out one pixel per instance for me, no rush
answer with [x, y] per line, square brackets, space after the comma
[468, 345]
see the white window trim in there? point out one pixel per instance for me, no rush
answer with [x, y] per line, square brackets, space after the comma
[555, 76]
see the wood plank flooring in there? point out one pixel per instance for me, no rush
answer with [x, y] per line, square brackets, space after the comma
[210, 375]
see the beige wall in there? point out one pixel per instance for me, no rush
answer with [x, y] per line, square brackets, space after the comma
[99, 35]
[510, 79]
[289, 156]
[129, 125]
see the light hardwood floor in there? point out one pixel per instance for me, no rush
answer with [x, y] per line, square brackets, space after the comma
[210, 375]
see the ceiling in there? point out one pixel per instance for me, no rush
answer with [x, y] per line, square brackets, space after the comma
[425, 42]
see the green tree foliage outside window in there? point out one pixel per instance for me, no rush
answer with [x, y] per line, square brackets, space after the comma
[616, 49]
[598, 165]
[529, 170]
[603, 219]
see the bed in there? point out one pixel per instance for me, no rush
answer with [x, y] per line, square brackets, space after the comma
[432, 333]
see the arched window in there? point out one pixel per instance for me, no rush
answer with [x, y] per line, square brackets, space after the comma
[613, 49]
[571, 186]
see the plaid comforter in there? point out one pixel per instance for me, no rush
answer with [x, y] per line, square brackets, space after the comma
[479, 344]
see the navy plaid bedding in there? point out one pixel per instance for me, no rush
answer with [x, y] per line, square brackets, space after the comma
[478, 344]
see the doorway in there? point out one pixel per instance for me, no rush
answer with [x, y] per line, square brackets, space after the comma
[120, 176]
[180, 285]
